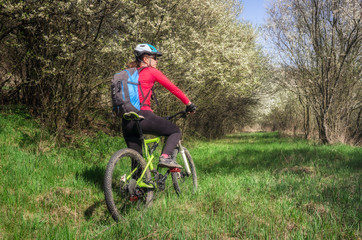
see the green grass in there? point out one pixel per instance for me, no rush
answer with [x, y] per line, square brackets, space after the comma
[251, 186]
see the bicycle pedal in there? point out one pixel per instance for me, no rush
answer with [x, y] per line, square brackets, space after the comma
[133, 198]
[175, 170]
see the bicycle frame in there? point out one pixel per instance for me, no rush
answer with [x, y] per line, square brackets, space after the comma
[132, 177]
[149, 157]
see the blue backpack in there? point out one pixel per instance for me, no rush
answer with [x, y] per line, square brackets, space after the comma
[124, 89]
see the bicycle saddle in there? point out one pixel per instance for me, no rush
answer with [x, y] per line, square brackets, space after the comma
[132, 116]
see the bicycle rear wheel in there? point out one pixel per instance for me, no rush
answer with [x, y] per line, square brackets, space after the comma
[184, 182]
[120, 187]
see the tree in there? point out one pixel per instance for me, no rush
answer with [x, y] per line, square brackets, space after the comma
[52, 53]
[58, 57]
[320, 44]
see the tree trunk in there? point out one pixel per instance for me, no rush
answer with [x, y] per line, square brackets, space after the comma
[306, 125]
[322, 130]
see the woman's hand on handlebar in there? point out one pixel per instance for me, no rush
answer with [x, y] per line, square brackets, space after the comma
[190, 108]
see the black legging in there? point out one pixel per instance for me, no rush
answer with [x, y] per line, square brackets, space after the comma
[152, 124]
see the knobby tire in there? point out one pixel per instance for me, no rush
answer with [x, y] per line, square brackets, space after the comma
[117, 202]
[181, 182]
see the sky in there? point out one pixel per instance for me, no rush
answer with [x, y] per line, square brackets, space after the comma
[254, 11]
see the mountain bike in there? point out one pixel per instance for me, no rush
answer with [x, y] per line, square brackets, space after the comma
[131, 179]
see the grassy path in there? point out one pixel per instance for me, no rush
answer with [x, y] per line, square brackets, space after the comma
[252, 186]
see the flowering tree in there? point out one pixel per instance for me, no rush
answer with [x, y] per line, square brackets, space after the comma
[320, 44]
[58, 57]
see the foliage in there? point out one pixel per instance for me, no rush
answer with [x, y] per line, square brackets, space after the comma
[59, 56]
[292, 188]
[320, 44]
[289, 115]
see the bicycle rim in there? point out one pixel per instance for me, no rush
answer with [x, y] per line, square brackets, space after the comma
[184, 182]
[122, 194]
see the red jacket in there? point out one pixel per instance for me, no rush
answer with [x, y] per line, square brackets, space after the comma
[147, 78]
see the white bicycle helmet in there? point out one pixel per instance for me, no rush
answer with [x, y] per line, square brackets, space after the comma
[145, 48]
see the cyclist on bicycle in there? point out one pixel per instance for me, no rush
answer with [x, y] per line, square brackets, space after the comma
[146, 62]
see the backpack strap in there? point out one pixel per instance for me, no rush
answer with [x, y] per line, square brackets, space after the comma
[151, 90]
[140, 69]
[154, 97]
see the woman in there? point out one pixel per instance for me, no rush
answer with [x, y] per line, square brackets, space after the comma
[146, 63]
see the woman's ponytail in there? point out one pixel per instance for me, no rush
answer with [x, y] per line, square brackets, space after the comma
[134, 64]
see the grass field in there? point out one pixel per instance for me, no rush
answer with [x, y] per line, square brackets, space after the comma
[251, 186]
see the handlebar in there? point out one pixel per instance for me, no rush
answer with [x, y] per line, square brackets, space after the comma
[182, 113]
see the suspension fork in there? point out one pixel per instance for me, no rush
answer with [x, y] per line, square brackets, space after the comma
[184, 158]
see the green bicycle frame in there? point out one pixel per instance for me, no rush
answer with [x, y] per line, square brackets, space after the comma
[149, 158]
[147, 152]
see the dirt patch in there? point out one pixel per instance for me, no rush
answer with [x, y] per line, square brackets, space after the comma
[60, 205]
[300, 170]
[54, 195]
[312, 207]
[291, 226]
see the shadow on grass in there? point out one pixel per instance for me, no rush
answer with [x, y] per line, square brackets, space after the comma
[258, 138]
[89, 212]
[258, 135]
[250, 160]
[258, 159]
[94, 175]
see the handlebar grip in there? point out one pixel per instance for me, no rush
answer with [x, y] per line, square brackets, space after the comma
[191, 108]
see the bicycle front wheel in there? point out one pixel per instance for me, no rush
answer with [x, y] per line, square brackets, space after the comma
[184, 181]
[120, 183]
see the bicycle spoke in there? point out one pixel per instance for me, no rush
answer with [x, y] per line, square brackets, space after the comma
[121, 190]
[184, 182]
